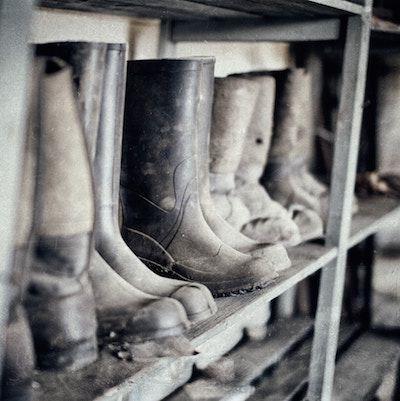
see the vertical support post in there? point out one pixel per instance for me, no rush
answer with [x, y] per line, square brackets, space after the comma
[327, 322]
[15, 26]
[166, 47]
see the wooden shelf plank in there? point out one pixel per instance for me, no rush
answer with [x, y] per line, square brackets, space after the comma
[291, 8]
[291, 375]
[232, 311]
[374, 214]
[112, 376]
[257, 29]
[168, 9]
[360, 370]
[250, 360]
[183, 9]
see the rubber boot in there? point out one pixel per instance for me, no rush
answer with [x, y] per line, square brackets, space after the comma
[235, 99]
[196, 298]
[159, 189]
[231, 96]
[60, 301]
[287, 178]
[135, 314]
[274, 253]
[269, 220]
[18, 362]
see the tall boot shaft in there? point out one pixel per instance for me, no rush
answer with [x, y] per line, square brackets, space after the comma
[60, 299]
[158, 144]
[259, 133]
[65, 191]
[232, 97]
[87, 60]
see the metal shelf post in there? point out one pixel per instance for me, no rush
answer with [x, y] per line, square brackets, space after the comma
[322, 365]
[15, 19]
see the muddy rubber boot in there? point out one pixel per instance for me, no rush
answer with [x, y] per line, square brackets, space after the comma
[98, 70]
[159, 189]
[287, 178]
[18, 362]
[275, 253]
[196, 298]
[60, 301]
[269, 220]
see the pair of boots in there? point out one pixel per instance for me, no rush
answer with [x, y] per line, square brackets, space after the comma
[165, 176]
[250, 111]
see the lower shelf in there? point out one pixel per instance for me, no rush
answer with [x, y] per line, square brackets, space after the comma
[111, 379]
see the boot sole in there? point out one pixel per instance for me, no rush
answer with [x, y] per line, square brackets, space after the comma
[162, 271]
[71, 358]
[229, 288]
[153, 335]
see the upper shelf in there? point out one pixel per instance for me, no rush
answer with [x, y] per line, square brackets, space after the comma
[205, 9]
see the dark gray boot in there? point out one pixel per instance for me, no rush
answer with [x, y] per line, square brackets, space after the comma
[196, 298]
[60, 300]
[275, 253]
[159, 182]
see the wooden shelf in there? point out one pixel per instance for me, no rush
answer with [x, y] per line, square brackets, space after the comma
[374, 214]
[184, 9]
[208, 337]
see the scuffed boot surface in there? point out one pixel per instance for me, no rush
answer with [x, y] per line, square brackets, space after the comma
[287, 178]
[159, 182]
[18, 362]
[196, 298]
[60, 300]
[130, 313]
[268, 221]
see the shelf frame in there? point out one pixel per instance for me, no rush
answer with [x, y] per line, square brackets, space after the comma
[15, 17]
[17, 13]
[354, 70]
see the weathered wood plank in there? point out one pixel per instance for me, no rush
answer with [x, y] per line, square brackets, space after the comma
[292, 8]
[109, 377]
[291, 374]
[374, 214]
[164, 9]
[255, 30]
[254, 357]
[210, 8]
[360, 371]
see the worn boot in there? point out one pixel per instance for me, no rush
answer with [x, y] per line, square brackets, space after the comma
[269, 220]
[196, 298]
[159, 189]
[287, 178]
[18, 362]
[98, 72]
[60, 301]
[234, 102]
[228, 234]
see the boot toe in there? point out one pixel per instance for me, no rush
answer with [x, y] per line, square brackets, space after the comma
[197, 303]
[309, 223]
[161, 318]
[277, 255]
